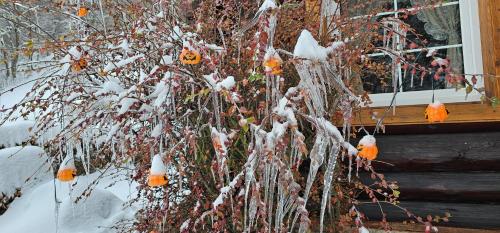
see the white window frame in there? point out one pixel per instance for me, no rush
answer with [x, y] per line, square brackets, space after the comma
[472, 60]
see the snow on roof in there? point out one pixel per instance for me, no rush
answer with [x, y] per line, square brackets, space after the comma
[307, 47]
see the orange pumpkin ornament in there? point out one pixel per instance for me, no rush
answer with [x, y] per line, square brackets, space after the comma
[82, 11]
[272, 62]
[436, 112]
[79, 65]
[158, 173]
[189, 57]
[67, 170]
[367, 147]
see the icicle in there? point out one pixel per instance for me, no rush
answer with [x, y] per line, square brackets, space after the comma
[334, 150]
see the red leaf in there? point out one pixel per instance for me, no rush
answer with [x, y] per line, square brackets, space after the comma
[474, 79]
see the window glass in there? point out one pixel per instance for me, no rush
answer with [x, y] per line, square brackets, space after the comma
[436, 28]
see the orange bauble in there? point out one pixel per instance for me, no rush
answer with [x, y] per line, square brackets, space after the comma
[273, 65]
[66, 175]
[436, 112]
[367, 147]
[157, 180]
[368, 152]
[189, 57]
[79, 65]
[82, 12]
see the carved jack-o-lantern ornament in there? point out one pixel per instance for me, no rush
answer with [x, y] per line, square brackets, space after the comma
[158, 173]
[67, 170]
[272, 62]
[436, 112]
[82, 11]
[189, 57]
[367, 147]
[79, 65]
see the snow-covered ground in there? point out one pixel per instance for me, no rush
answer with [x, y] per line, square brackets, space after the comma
[47, 205]
[35, 211]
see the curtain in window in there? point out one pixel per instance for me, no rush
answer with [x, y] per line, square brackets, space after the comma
[443, 23]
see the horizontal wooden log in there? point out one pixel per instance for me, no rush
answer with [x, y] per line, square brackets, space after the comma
[479, 216]
[446, 187]
[414, 114]
[472, 127]
[439, 152]
[397, 227]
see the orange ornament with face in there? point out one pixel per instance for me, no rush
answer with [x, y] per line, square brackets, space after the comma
[157, 180]
[436, 112]
[273, 65]
[158, 173]
[67, 170]
[79, 65]
[66, 175]
[189, 57]
[82, 11]
[368, 148]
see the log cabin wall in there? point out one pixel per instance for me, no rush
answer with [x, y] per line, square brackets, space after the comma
[443, 168]
[489, 15]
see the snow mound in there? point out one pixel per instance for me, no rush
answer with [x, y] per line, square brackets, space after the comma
[34, 211]
[307, 47]
[22, 167]
[99, 211]
[15, 133]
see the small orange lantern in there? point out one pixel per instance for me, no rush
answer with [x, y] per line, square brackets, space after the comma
[82, 11]
[189, 57]
[436, 112]
[368, 148]
[78, 65]
[67, 170]
[158, 173]
[272, 62]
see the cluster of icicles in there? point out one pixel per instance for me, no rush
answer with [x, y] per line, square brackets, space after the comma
[271, 195]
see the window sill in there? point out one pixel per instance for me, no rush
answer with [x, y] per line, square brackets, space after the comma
[414, 114]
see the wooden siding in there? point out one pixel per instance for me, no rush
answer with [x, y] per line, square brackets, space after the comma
[457, 173]
[414, 114]
[489, 13]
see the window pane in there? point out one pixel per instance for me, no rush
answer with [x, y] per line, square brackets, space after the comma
[376, 76]
[417, 82]
[366, 7]
[438, 26]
